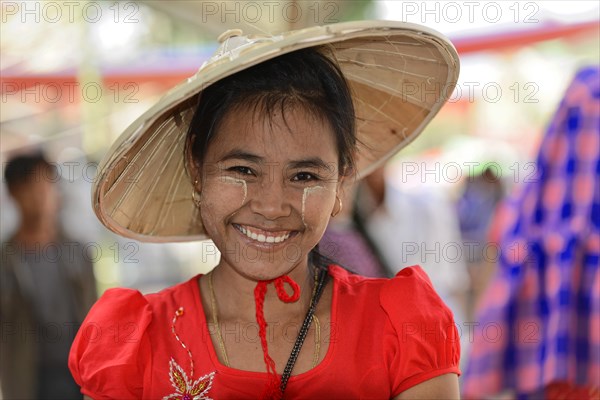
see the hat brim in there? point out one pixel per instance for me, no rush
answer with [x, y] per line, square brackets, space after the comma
[400, 75]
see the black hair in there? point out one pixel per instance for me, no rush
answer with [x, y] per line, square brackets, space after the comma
[308, 78]
[27, 168]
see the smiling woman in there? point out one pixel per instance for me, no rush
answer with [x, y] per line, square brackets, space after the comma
[251, 197]
[258, 174]
[267, 131]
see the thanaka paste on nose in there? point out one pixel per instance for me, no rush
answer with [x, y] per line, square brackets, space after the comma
[236, 181]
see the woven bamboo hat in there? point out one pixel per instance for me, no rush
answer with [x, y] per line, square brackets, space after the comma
[400, 75]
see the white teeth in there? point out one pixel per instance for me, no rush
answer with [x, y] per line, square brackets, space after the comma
[261, 237]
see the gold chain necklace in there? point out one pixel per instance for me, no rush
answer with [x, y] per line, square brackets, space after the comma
[215, 319]
[213, 306]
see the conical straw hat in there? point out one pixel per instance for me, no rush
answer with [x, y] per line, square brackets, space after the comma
[400, 75]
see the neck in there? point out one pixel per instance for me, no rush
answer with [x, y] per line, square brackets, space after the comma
[235, 296]
[40, 233]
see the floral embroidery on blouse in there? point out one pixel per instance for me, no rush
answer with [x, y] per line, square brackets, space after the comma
[186, 388]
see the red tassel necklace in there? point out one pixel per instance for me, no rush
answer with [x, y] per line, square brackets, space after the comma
[276, 386]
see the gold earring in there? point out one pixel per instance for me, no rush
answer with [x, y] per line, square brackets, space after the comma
[340, 209]
[195, 198]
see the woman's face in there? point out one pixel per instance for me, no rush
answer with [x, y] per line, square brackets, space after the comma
[267, 189]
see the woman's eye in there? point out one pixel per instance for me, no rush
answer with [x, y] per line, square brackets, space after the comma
[305, 176]
[241, 170]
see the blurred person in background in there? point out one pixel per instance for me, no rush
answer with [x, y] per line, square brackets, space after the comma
[382, 230]
[416, 227]
[347, 241]
[47, 287]
[544, 301]
[475, 208]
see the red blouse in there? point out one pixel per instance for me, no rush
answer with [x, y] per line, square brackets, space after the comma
[387, 335]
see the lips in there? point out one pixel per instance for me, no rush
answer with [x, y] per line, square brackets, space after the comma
[263, 236]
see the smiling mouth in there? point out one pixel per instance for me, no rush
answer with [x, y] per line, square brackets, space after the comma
[263, 236]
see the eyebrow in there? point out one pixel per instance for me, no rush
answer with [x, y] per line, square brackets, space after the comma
[313, 162]
[242, 155]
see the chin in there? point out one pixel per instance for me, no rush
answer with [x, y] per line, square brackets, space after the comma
[259, 270]
[263, 261]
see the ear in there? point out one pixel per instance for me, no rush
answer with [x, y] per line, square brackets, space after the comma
[195, 178]
[196, 183]
[345, 183]
[193, 169]
[339, 187]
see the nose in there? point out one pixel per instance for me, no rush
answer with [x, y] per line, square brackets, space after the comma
[271, 200]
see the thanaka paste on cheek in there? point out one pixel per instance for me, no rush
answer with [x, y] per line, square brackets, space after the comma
[221, 194]
[314, 192]
[236, 181]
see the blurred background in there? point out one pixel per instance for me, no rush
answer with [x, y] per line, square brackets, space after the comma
[75, 74]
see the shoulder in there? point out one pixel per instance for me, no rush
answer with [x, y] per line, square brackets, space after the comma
[351, 281]
[119, 305]
[412, 295]
[111, 353]
[418, 314]
[425, 343]
[74, 251]
[410, 286]
[407, 301]
[419, 338]
[124, 306]
[104, 357]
